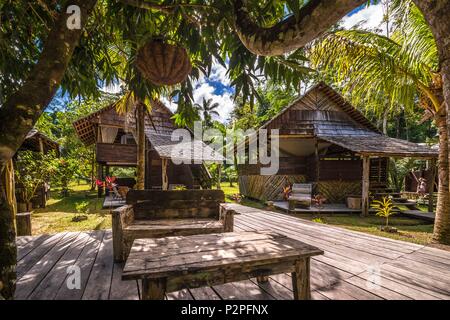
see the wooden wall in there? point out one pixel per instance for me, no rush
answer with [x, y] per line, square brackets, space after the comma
[337, 178]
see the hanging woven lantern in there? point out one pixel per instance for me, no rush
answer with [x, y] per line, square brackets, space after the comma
[163, 63]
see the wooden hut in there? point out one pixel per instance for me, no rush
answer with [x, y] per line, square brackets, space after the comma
[114, 137]
[325, 141]
[36, 141]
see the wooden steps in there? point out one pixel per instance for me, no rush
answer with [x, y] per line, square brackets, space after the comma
[427, 216]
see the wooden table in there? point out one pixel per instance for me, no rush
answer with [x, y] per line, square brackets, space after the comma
[174, 263]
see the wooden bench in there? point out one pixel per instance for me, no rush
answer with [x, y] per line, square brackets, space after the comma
[301, 194]
[174, 263]
[157, 213]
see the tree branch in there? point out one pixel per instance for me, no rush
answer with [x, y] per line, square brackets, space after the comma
[314, 18]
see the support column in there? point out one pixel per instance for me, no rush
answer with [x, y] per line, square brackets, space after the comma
[317, 160]
[100, 177]
[165, 178]
[140, 170]
[41, 146]
[365, 185]
[433, 170]
[219, 175]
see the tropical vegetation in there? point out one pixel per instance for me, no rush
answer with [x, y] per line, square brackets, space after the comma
[254, 40]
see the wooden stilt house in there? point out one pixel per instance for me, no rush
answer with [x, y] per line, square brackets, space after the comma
[114, 137]
[327, 142]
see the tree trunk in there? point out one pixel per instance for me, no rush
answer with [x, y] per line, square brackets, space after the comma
[8, 251]
[20, 112]
[385, 121]
[436, 14]
[442, 223]
[140, 171]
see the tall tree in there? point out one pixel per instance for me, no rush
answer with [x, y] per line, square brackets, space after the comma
[20, 112]
[209, 30]
[388, 72]
[208, 109]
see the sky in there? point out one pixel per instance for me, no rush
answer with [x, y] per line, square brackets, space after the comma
[217, 85]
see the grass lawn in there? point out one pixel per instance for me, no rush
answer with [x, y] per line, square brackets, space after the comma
[57, 216]
[409, 229]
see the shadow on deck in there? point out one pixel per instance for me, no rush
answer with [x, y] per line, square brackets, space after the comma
[354, 266]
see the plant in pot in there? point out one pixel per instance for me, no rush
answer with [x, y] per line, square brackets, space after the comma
[32, 170]
[82, 211]
[384, 208]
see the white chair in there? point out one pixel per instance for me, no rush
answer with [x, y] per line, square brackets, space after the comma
[301, 194]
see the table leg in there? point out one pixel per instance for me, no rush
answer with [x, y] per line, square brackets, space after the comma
[262, 279]
[153, 289]
[301, 281]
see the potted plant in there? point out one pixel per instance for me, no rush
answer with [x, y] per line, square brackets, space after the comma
[384, 208]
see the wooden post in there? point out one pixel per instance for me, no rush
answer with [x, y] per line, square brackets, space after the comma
[23, 222]
[317, 159]
[41, 146]
[300, 280]
[140, 183]
[153, 289]
[365, 185]
[99, 177]
[165, 179]
[219, 175]
[433, 170]
[262, 279]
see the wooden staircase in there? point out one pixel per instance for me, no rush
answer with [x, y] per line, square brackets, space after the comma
[202, 177]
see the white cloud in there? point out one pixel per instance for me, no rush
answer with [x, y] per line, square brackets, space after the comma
[225, 100]
[370, 17]
[204, 89]
[218, 73]
[113, 88]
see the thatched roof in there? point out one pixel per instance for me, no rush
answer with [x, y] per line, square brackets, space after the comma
[380, 145]
[159, 119]
[32, 142]
[187, 151]
[323, 113]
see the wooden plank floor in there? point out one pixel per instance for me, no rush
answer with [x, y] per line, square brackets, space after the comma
[354, 266]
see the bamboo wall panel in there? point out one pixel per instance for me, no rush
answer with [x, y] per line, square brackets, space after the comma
[267, 187]
[336, 191]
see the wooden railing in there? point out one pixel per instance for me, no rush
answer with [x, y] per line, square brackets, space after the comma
[116, 153]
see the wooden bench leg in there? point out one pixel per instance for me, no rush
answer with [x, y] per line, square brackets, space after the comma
[262, 279]
[153, 289]
[300, 280]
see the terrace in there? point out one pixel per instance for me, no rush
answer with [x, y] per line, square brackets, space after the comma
[355, 266]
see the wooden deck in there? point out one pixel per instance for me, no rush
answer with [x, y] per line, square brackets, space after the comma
[354, 266]
[112, 203]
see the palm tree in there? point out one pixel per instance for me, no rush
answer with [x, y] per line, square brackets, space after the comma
[390, 72]
[208, 109]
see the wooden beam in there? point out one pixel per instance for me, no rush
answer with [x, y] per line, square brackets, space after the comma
[219, 175]
[165, 179]
[317, 160]
[365, 185]
[41, 146]
[433, 170]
